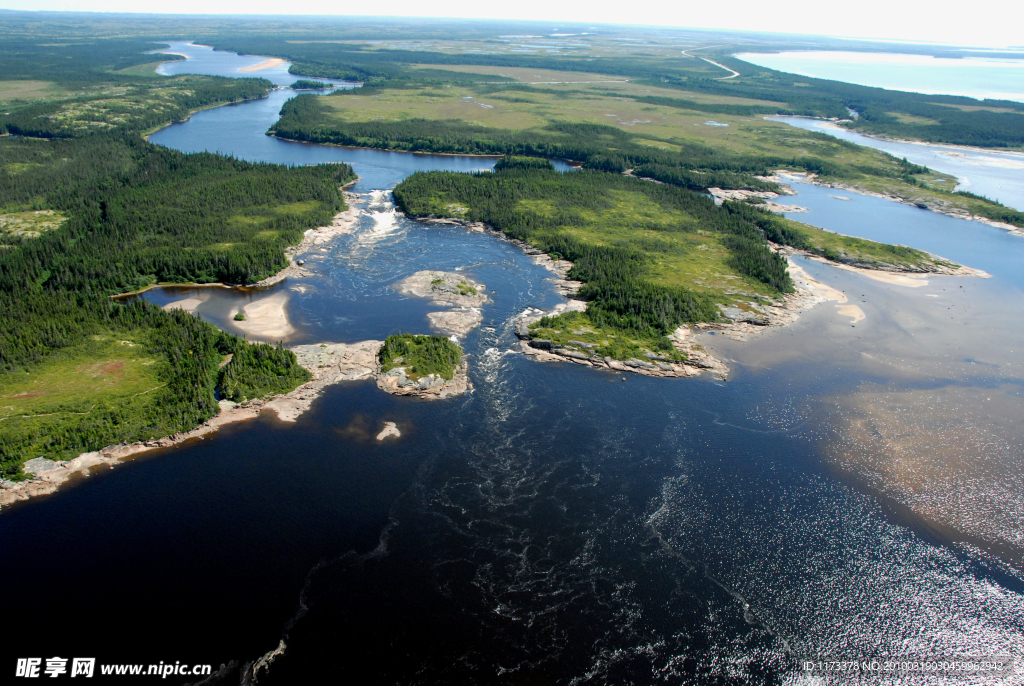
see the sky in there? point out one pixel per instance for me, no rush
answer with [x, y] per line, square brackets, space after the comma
[981, 23]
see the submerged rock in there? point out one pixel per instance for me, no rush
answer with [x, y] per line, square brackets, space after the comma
[390, 429]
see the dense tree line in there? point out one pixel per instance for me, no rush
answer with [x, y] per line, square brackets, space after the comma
[140, 107]
[306, 84]
[800, 95]
[596, 146]
[256, 370]
[420, 355]
[139, 214]
[77, 63]
[614, 276]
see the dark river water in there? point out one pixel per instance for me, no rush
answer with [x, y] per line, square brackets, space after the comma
[852, 491]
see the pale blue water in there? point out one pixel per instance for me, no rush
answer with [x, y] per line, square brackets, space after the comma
[993, 250]
[975, 77]
[203, 59]
[995, 175]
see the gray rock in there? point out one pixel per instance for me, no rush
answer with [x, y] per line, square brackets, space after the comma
[523, 331]
[638, 364]
[541, 344]
[584, 345]
[38, 465]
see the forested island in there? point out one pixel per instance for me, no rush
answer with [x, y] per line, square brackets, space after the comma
[651, 256]
[89, 209]
[308, 85]
[659, 139]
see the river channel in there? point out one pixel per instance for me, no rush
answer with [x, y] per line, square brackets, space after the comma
[852, 491]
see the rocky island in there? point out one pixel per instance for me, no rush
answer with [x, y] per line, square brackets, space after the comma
[453, 290]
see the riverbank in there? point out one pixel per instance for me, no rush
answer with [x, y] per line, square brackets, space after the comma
[343, 223]
[149, 132]
[737, 322]
[834, 123]
[945, 207]
[328, 363]
[268, 63]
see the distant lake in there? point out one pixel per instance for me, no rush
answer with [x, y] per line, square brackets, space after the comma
[975, 77]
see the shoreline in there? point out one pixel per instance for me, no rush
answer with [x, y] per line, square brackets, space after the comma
[889, 139]
[268, 63]
[335, 362]
[785, 176]
[311, 238]
[406, 152]
[146, 134]
[737, 324]
[288, 406]
[329, 363]
[342, 224]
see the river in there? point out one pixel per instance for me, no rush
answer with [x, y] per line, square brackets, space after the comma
[561, 525]
[994, 174]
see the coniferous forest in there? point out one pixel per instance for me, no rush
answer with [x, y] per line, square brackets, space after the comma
[129, 214]
[573, 216]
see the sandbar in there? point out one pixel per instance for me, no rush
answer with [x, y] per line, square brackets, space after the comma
[267, 318]
[448, 289]
[188, 304]
[268, 63]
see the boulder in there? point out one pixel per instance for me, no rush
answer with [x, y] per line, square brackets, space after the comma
[522, 331]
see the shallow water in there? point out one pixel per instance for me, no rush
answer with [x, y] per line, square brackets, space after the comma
[993, 174]
[202, 59]
[561, 525]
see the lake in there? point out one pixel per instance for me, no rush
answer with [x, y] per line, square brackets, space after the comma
[975, 77]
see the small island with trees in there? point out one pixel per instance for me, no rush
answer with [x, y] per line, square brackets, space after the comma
[309, 85]
[426, 366]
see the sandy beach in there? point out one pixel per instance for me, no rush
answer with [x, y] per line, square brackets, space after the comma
[268, 63]
[267, 319]
[187, 304]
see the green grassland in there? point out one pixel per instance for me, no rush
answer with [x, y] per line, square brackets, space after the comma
[651, 256]
[420, 355]
[858, 251]
[32, 224]
[89, 209]
[67, 396]
[630, 132]
[23, 91]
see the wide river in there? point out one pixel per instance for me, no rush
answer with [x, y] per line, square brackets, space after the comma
[854, 490]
